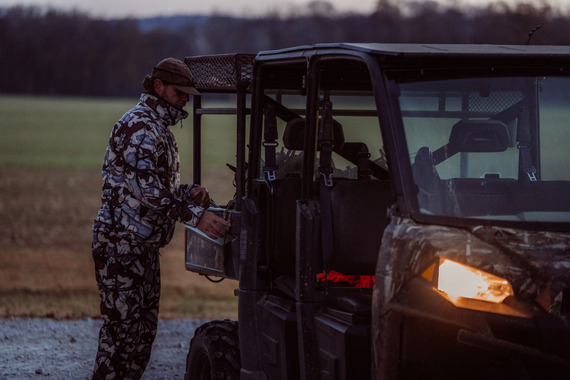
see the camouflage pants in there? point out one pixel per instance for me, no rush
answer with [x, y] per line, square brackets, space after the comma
[128, 277]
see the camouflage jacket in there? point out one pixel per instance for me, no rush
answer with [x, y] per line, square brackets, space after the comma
[142, 195]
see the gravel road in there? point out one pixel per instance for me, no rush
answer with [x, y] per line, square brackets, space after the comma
[65, 350]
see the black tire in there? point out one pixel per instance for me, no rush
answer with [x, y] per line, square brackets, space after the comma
[214, 352]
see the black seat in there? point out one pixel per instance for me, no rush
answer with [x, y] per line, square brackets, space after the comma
[428, 181]
[359, 214]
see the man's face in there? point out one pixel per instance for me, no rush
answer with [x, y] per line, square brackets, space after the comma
[174, 96]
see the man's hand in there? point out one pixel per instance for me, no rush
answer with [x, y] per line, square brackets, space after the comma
[212, 225]
[201, 196]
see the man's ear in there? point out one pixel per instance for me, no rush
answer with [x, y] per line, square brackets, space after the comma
[158, 86]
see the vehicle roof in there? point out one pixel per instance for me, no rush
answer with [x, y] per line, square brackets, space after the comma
[422, 50]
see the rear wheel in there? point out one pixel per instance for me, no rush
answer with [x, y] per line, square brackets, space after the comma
[214, 352]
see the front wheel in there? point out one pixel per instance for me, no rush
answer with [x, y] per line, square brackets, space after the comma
[214, 352]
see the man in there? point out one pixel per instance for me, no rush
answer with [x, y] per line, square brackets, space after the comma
[142, 200]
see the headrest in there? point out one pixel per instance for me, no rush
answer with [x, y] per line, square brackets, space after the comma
[479, 136]
[294, 135]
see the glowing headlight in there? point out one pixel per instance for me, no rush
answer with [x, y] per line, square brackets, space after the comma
[457, 281]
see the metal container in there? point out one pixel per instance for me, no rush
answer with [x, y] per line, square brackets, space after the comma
[214, 257]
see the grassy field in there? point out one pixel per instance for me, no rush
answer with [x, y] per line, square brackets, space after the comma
[51, 152]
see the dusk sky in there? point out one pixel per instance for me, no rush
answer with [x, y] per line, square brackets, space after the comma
[145, 8]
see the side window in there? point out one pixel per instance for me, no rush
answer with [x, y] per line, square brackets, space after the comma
[470, 131]
[358, 147]
[554, 130]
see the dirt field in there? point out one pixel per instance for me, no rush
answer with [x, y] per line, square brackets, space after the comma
[45, 260]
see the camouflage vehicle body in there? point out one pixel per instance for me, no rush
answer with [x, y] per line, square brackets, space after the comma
[454, 199]
[522, 338]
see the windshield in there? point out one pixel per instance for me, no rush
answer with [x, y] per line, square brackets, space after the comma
[490, 148]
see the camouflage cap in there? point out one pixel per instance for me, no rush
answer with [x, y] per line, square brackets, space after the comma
[174, 72]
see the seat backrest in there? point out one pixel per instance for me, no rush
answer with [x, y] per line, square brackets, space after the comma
[428, 181]
[470, 136]
[359, 212]
[479, 136]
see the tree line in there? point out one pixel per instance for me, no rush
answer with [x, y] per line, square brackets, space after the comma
[53, 52]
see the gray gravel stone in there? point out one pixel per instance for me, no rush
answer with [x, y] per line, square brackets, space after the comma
[45, 348]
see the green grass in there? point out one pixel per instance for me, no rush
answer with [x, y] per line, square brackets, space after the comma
[73, 132]
[41, 131]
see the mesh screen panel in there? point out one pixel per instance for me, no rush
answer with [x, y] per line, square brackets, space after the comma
[494, 102]
[221, 72]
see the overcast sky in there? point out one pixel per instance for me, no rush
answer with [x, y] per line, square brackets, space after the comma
[145, 8]
[137, 8]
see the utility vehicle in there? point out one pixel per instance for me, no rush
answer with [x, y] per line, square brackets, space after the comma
[401, 212]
